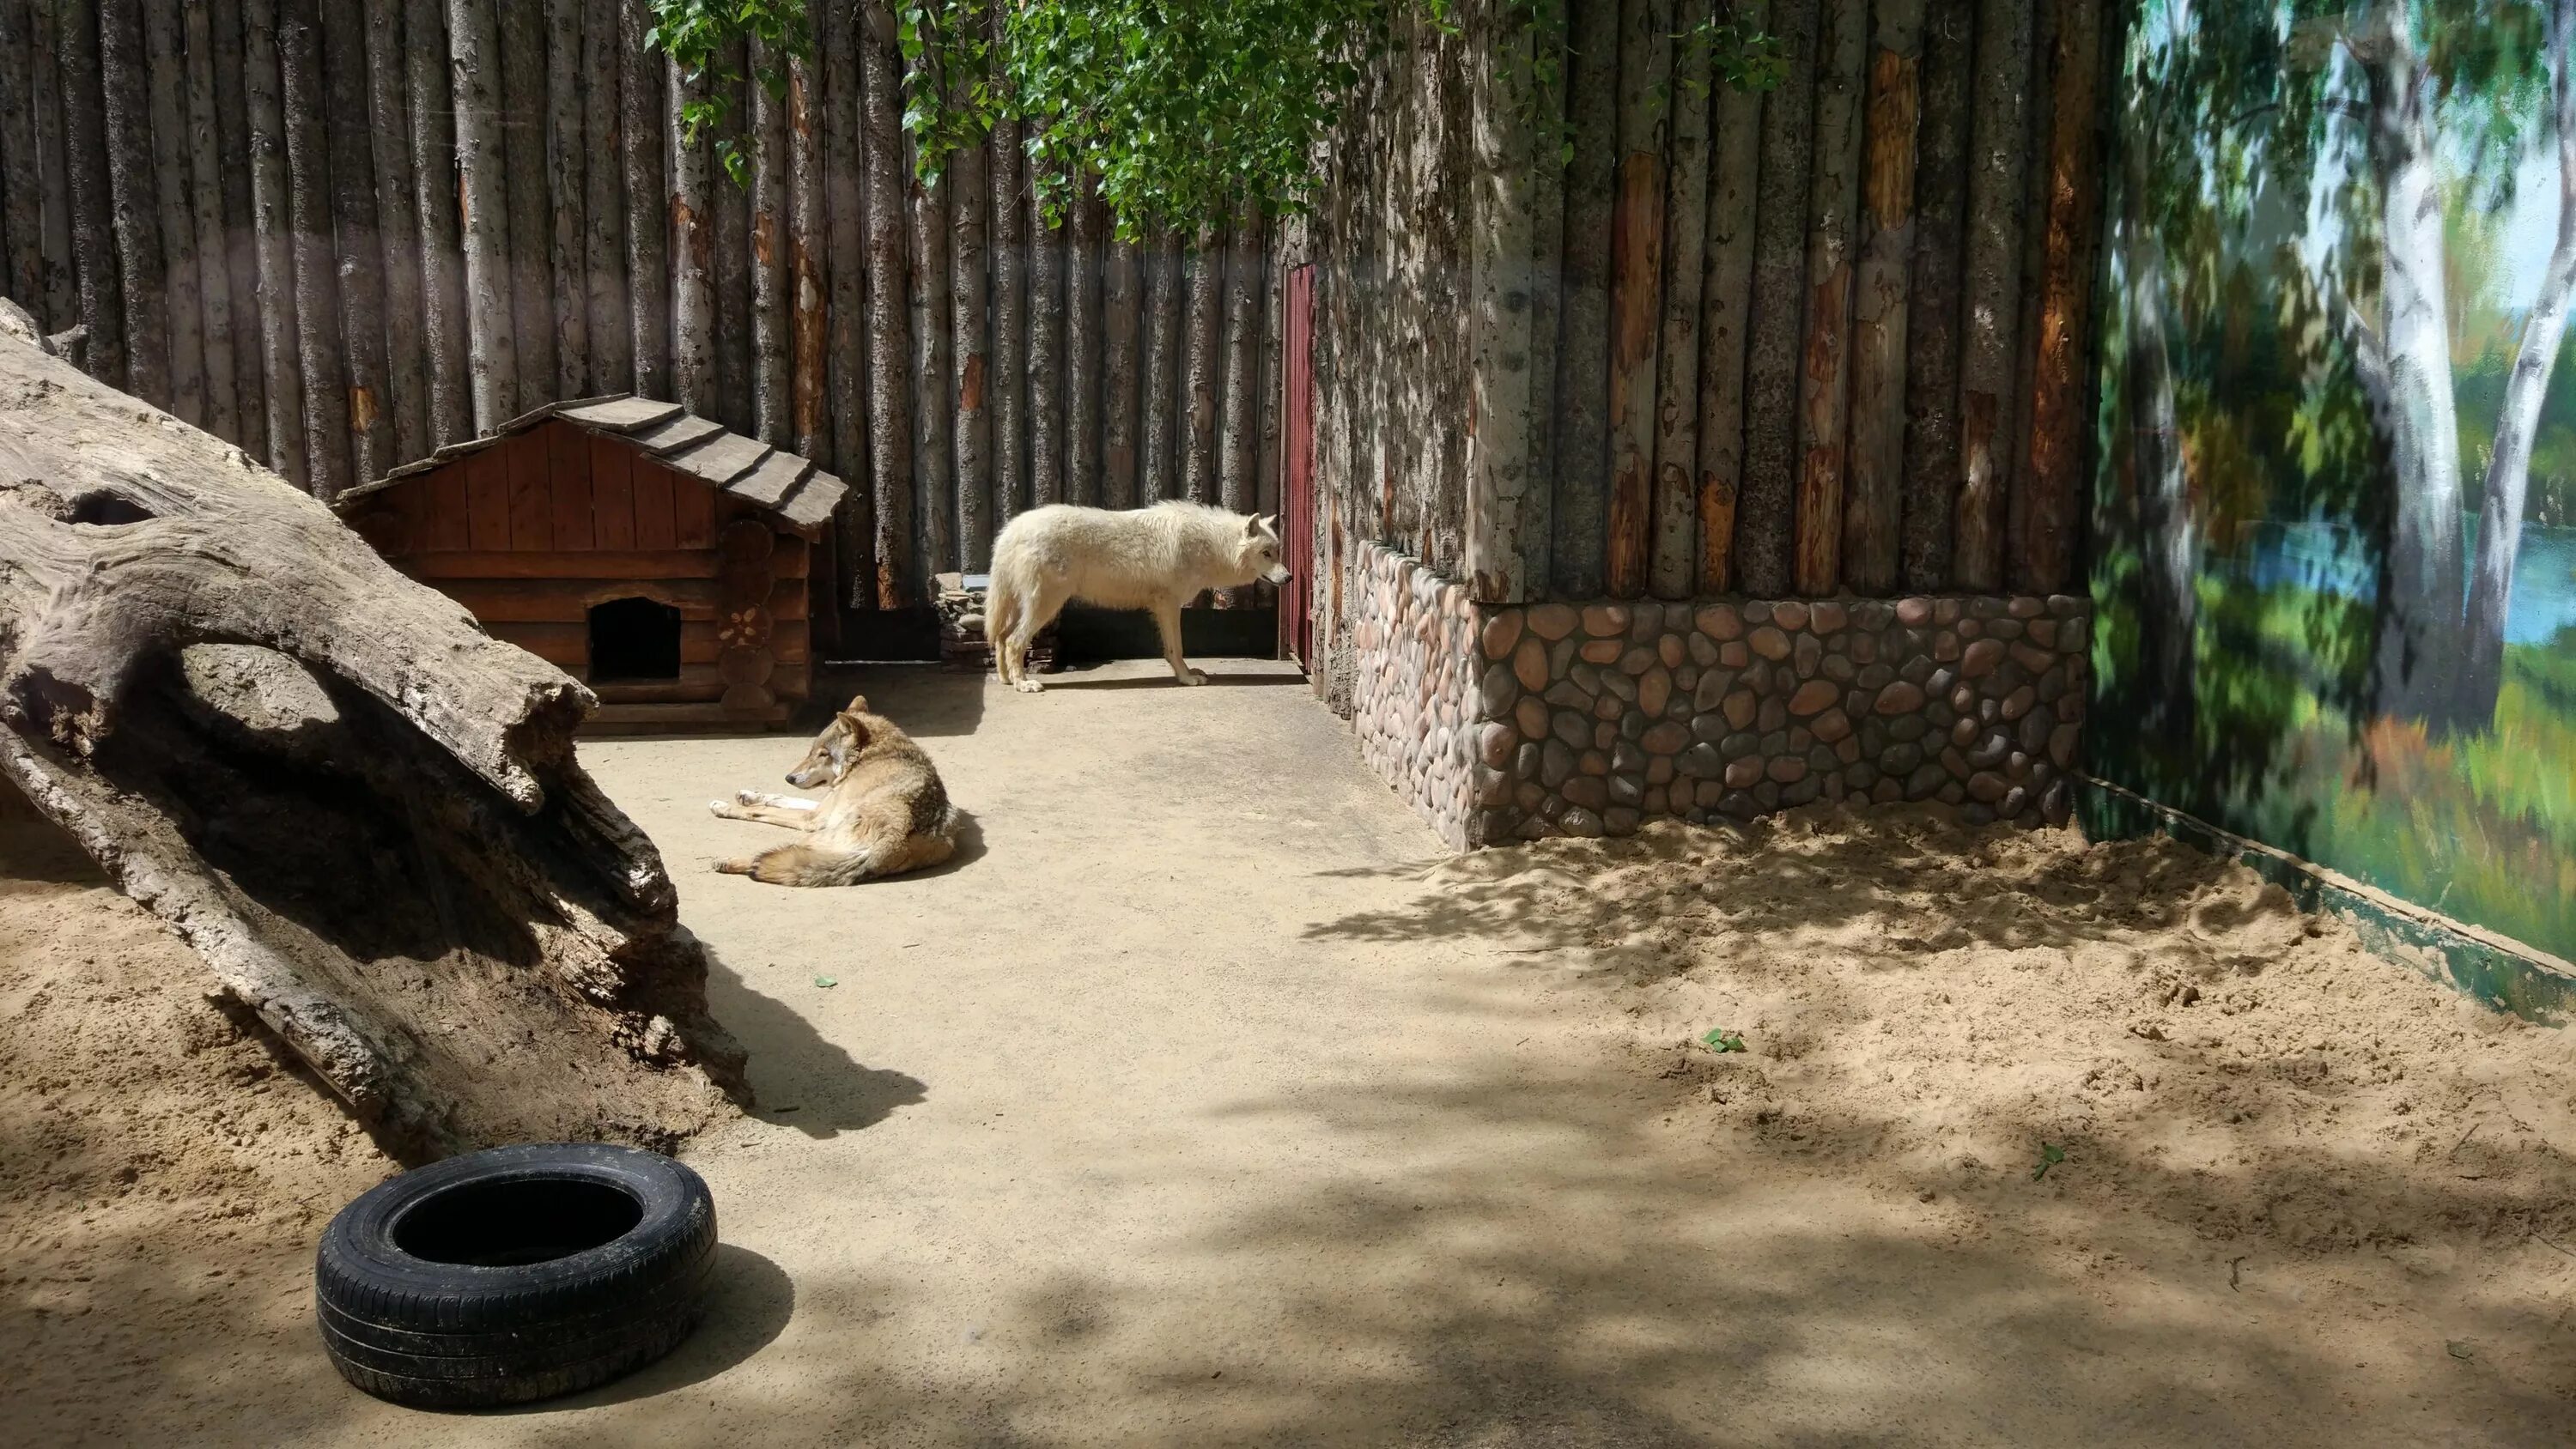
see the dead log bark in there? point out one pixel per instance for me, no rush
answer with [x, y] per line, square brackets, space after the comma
[320, 353]
[21, 179]
[1932, 309]
[398, 225]
[1726, 299]
[565, 175]
[1122, 306]
[367, 424]
[648, 264]
[934, 548]
[693, 302]
[168, 89]
[1083, 235]
[1007, 379]
[1239, 430]
[357, 792]
[93, 223]
[1203, 366]
[1045, 374]
[1991, 276]
[491, 362]
[772, 375]
[1673, 561]
[889, 342]
[971, 186]
[1766, 501]
[612, 341]
[437, 193]
[2046, 552]
[60, 290]
[125, 88]
[1824, 394]
[281, 379]
[1873, 506]
[845, 266]
[1161, 387]
[522, 118]
[1636, 279]
[809, 424]
[1583, 351]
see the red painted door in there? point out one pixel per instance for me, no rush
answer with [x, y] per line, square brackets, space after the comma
[1297, 492]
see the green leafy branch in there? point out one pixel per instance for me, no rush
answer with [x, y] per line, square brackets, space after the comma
[702, 36]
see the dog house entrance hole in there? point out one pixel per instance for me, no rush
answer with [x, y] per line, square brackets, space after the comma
[634, 639]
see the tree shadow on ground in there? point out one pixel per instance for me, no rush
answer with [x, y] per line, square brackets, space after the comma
[799, 1077]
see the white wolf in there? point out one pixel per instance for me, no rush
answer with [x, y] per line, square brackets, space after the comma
[1156, 558]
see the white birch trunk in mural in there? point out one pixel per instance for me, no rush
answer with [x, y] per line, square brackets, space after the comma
[2169, 625]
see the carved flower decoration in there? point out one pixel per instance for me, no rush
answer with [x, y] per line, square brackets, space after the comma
[742, 626]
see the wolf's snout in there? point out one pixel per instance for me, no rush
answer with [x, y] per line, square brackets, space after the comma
[1278, 574]
[804, 779]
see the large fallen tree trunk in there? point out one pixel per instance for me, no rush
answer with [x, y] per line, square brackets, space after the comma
[363, 812]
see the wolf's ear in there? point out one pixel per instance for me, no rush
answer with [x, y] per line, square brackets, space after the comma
[858, 705]
[1269, 522]
[1252, 528]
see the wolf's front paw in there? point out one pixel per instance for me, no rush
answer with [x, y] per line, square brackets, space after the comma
[722, 808]
[749, 797]
[1193, 676]
[1029, 686]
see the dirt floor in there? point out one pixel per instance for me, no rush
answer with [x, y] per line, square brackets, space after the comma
[1200, 1102]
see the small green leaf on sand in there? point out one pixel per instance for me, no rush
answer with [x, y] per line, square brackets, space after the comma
[827, 981]
[1721, 1040]
[2048, 1157]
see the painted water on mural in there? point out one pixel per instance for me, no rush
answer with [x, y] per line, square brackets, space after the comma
[2335, 520]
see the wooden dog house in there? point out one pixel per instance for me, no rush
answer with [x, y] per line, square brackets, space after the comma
[646, 551]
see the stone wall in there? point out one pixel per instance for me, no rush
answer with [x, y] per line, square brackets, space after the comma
[1522, 721]
[1413, 638]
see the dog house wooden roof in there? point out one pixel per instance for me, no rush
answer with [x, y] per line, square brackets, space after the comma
[650, 553]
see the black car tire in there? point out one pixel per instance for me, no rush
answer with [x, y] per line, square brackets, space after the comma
[512, 1275]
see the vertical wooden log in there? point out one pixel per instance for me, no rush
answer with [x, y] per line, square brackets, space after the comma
[59, 299]
[1007, 380]
[1726, 300]
[2047, 549]
[933, 461]
[731, 340]
[1273, 463]
[1766, 500]
[1239, 425]
[1873, 499]
[237, 159]
[398, 224]
[1636, 280]
[21, 182]
[1932, 307]
[438, 193]
[1203, 364]
[166, 84]
[93, 225]
[1674, 568]
[490, 360]
[1158, 399]
[1583, 351]
[1824, 394]
[648, 274]
[1122, 310]
[844, 269]
[693, 299]
[321, 351]
[1082, 347]
[1048, 262]
[772, 372]
[2030, 229]
[359, 254]
[809, 421]
[125, 82]
[969, 276]
[522, 115]
[1546, 255]
[203, 180]
[1498, 241]
[1991, 277]
[566, 188]
[282, 379]
[889, 343]
[603, 250]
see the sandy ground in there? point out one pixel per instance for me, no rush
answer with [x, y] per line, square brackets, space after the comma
[1201, 1103]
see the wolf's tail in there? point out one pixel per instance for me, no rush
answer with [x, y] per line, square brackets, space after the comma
[802, 864]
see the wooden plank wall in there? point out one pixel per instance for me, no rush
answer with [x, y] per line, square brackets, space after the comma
[1832, 338]
[342, 233]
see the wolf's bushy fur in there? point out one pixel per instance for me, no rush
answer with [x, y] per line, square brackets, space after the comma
[1156, 558]
[885, 810]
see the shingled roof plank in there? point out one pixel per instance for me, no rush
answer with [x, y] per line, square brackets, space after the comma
[776, 477]
[721, 459]
[811, 506]
[622, 415]
[685, 431]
